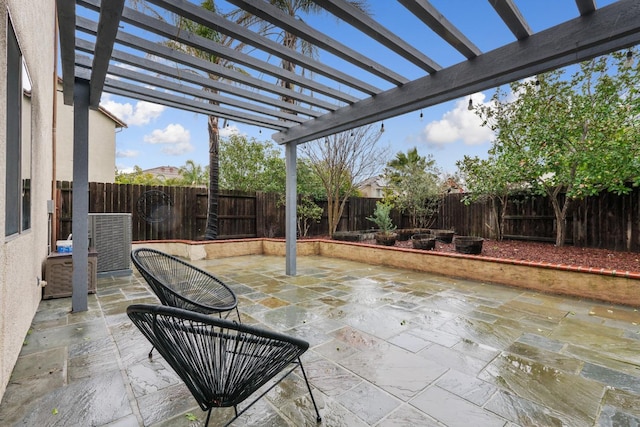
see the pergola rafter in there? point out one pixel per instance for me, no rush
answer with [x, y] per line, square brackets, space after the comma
[96, 57]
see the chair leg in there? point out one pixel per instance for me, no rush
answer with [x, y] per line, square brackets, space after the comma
[226, 316]
[319, 418]
[151, 353]
[206, 423]
[235, 410]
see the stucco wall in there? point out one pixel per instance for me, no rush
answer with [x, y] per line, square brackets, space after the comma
[102, 144]
[22, 256]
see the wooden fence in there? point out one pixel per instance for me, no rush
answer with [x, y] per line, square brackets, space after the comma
[158, 212]
[167, 212]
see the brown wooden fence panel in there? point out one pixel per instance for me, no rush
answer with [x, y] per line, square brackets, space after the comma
[64, 209]
[605, 221]
[237, 215]
[274, 215]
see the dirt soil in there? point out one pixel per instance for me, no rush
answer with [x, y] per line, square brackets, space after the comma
[548, 252]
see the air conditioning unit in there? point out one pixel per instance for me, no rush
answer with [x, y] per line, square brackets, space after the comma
[110, 236]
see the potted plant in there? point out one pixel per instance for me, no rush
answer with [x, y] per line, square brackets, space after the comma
[382, 218]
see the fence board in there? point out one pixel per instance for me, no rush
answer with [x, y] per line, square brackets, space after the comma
[605, 221]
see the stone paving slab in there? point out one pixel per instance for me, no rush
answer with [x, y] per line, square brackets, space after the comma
[389, 347]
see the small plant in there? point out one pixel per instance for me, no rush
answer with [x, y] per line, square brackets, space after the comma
[382, 217]
[307, 211]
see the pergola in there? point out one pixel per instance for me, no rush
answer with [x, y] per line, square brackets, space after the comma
[109, 55]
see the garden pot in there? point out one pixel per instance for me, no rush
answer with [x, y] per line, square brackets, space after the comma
[445, 236]
[423, 241]
[405, 233]
[468, 245]
[386, 239]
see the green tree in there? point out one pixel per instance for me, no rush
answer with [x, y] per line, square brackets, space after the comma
[137, 177]
[343, 160]
[251, 165]
[308, 182]
[489, 180]
[193, 174]
[382, 217]
[570, 137]
[414, 187]
[211, 230]
[306, 211]
[309, 188]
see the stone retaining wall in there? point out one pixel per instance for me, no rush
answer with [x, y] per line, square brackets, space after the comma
[600, 284]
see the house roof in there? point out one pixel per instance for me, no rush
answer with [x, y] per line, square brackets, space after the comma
[119, 123]
[374, 180]
[103, 51]
[165, 171]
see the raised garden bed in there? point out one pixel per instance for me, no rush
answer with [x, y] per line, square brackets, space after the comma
[598, 275]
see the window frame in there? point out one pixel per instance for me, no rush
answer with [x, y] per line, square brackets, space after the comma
[18, 168]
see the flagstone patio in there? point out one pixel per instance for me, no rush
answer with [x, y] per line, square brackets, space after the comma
[389, 347]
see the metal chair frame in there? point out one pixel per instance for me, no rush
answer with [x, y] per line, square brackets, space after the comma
[221, 362]
[177, 283]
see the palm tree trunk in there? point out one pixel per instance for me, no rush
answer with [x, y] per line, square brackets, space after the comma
[211, 232]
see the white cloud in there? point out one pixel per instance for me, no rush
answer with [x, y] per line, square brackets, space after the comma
[176, 138]
[459, 124]
[125, 169]
[126, 154]
[177, 149]
[229, 130]
[141, 114]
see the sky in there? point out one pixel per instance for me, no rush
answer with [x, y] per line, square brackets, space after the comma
[163, 136]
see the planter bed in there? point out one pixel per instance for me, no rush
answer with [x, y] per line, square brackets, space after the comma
[616, 286]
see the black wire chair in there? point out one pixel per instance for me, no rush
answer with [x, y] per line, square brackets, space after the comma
[177, 283]
[221, 362]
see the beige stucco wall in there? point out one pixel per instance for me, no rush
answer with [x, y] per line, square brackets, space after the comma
[22, 256]
[102, 144]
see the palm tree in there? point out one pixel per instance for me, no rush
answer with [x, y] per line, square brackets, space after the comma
[193, 174]
[291, 7]
[414, 186]
[296, 9]
[211, 230]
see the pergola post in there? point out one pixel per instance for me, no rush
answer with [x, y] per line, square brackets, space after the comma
[80, 213]
[291, 199]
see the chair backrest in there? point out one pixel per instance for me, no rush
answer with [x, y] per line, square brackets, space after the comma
[220, 361]
[177, 283]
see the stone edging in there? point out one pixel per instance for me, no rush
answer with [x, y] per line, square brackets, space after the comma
[601, 284]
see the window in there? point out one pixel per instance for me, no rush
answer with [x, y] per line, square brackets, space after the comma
[18, 145]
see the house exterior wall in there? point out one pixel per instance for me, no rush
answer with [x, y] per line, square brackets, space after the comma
[371, 191]
[372, 188]
[22, 255]
[102, 144]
